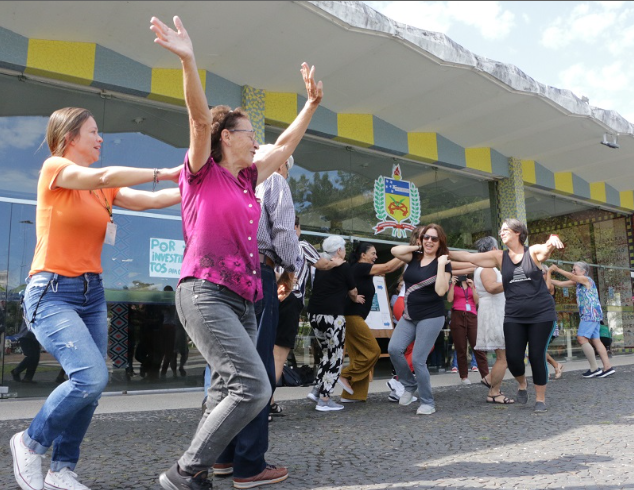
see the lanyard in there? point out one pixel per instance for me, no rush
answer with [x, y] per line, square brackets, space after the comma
[105, 203]
[466, 293]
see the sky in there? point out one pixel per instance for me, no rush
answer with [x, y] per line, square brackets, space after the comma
[580, 46]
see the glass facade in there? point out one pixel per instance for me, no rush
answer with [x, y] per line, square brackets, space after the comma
[337, 189]
[599, 238]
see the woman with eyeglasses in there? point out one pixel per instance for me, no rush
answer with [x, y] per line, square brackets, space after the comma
[220, 274]
[529, 312]
[427, 280]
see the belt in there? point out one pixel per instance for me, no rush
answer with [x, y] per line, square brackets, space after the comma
[266, 260]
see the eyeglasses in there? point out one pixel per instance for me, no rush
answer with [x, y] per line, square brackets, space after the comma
[431, 237]
[250, 132]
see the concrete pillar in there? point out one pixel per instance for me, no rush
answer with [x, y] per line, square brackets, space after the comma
[510, 201]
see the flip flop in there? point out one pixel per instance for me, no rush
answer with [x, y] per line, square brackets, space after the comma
[505, 400]
[485, 382]
[558, 370]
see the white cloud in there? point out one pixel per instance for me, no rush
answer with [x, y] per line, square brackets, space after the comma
[22, 132]
[607, 86]
[489, 18]
[584, 24]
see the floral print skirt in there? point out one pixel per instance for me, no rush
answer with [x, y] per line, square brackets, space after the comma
[330, 331]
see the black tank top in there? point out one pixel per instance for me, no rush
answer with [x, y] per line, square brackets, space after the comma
[526, 293]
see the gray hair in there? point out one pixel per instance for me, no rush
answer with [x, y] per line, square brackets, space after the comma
[486, 244]
[331, 244]
[583, 265]
[518, 227]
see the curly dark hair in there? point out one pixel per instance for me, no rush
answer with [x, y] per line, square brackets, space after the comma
[223, 117]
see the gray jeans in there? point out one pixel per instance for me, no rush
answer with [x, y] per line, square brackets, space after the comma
[223, 327]
[425, 333]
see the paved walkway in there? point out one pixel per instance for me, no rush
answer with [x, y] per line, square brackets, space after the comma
[585, 440]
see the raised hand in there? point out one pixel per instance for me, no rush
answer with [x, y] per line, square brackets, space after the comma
[555, 242]
[314, 91]
[178, 42]
[443, 260]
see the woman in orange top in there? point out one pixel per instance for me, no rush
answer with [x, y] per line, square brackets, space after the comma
[64, 302]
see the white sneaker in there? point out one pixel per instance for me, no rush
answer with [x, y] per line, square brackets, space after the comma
[349, 400]
[465, 381]
[425, 410]
[27, 465]
[313, 395]
[329, 406]
[63, 479]
[406, 398]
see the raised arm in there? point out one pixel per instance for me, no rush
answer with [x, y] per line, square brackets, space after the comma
[490, 259]
[179, 43]
[78, 177]
[388, 267]
[442, 277]
[542, 251]
[325, 264]
[474, 291]
[290, 138]
[405, 252]
[573, 280]
[136, 200]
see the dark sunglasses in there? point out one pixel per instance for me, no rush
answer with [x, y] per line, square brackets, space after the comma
[430, 237]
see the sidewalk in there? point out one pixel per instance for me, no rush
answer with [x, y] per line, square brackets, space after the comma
[583, 441]
[141, 401]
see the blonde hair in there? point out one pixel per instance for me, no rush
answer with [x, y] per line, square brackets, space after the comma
[63, 127]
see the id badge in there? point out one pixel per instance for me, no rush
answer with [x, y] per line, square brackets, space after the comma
[468, 307]
[111, 233]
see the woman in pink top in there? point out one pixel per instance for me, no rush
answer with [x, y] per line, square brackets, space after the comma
[220, 275]
[464, 326]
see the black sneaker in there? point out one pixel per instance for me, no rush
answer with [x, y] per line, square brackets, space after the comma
[173, 480]
[592, 374]
[607, 373]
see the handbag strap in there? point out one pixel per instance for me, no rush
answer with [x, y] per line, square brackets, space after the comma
[416, 287]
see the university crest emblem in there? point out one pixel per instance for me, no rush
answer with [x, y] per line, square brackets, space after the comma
[396, 203]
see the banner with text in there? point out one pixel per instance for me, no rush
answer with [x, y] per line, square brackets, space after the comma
[166, 257]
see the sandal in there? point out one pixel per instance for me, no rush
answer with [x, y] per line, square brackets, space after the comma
[485, 382]
[558, 370]
[505, 400]
[275, 409]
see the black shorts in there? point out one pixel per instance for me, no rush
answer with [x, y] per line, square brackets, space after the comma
[288, 323]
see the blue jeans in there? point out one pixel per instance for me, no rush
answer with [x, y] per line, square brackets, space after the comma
[69, 318]
[454, 361]
[425, 333]
[247, 450]
[222, 325]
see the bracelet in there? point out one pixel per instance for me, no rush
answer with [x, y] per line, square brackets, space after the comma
[155, 179]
